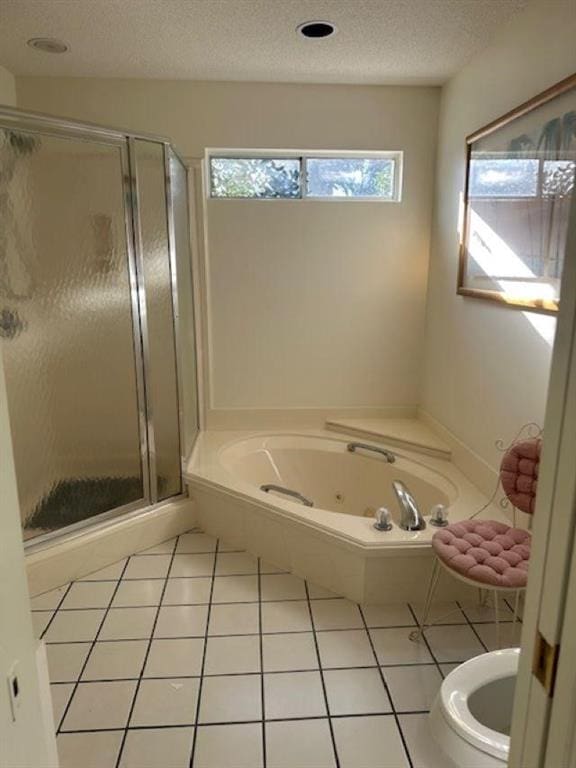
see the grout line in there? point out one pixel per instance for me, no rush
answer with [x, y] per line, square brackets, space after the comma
[472, 627]
[246, 674]
[428, 646]
[43, 633]
[260, 643]
[175, 726]
[203, 665]
[145, 661]
[322, 681]
[385, 684]
[92, 644]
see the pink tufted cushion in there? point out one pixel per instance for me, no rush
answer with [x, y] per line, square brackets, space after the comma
[519, 473]
[485, 551]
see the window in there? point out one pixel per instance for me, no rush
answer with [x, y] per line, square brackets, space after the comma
[298, 176]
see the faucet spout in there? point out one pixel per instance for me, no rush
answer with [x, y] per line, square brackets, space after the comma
[410, 518]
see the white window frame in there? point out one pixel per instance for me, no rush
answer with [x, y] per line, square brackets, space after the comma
[304, 155]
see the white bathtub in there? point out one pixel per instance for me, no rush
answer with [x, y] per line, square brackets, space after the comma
[333, 542]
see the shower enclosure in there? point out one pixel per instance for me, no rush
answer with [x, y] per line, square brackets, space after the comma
[96, 319]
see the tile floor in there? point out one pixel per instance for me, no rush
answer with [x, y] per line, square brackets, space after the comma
[192, 655]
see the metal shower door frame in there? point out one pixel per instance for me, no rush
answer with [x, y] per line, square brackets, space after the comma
[49, 125]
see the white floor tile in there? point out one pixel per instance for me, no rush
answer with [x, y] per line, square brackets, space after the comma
[116, 660]
[289, 652]
[164, 548]
[372, 742]
[89, 750]
[336, 614]
[192, 565]
[447, 668]
[71, 626]
[230, 655]
[86, 594]
[235, 589]
[128, 623]
[166, 702]
[454, 643]
[99, 706]
[393, 646]
[157, 748]
[131, 594]
[236, 563]
[477, 613]
[300, 744]
[230, 699]
[347, 648]
[510, 635]
[266, 568]
[229, 746]
[60, 697]
[187, 591]
[65, 661]
[195, 543]
[424, 751]
[48, 600]
[147, 567]
[283, 587]
[228, 546]
[109, 573]
[175, 658]
[293, 694]
[239, 619]
[355, 692]
[440, 613]
[320, 593]
[290, 616]
[413, 688]
[40, 620]
[388, 615]
[182, 621]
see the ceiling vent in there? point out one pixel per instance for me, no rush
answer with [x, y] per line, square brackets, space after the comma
[48, 45]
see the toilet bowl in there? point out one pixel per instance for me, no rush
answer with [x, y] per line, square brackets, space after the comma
[472, 713]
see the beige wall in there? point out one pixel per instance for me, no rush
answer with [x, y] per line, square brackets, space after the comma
[311, 304]
[486, 367]
[7, 88]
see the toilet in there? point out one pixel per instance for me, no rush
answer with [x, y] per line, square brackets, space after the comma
[472, 713]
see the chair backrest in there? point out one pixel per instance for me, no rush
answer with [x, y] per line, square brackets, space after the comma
[519, 473]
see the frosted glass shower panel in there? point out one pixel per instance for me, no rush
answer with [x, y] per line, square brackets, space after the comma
[67, 328]
[159, 344]
[185, 342]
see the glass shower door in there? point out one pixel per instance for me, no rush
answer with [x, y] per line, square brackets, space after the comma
[69, 330]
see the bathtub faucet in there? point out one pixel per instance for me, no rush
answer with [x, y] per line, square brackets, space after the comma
[390, 458]
[410, 518]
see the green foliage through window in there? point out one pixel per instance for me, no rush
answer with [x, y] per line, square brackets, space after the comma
[264, 177]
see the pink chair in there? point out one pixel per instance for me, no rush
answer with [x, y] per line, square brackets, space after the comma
[487, 554]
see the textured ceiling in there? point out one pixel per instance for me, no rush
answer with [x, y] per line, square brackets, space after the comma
[378, 41]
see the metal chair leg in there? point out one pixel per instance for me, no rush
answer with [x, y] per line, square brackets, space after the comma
[497, 620]
[417, 633]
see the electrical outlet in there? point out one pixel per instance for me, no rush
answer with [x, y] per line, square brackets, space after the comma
[14, 692]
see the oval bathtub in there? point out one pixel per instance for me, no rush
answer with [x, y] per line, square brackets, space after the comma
[333, 543]
[332, 478]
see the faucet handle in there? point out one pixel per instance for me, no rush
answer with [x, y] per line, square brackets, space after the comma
[383, 520]
[439, 516]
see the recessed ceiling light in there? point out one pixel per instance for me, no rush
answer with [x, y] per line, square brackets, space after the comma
[48, 45]
[316, 29]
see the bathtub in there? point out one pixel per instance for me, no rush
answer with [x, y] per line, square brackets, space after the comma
[327, 534]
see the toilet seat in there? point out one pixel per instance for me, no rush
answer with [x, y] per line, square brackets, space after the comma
[460, 684]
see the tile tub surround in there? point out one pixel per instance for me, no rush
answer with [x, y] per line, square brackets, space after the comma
[341, 552]
[287, 674]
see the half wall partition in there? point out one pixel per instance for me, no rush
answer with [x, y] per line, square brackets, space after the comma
[93, 238]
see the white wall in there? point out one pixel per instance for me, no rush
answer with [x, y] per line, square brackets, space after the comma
[311, 304]
[486, 367]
